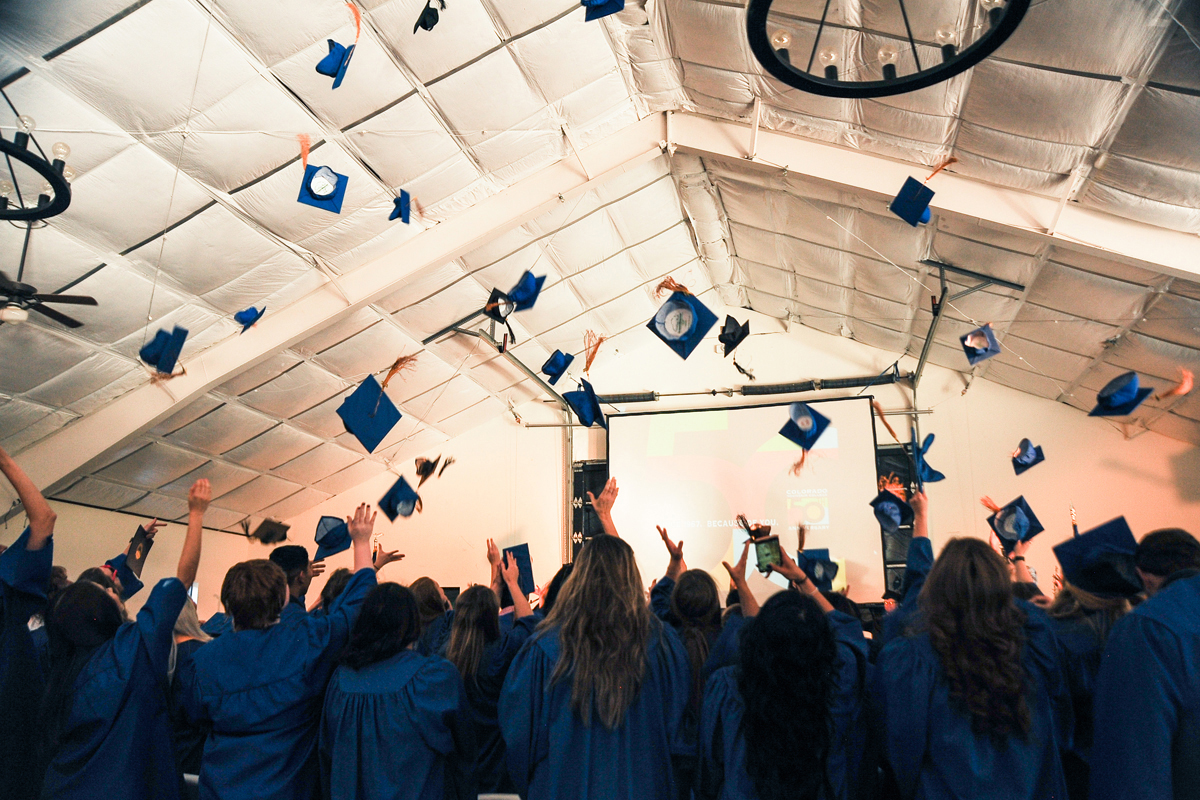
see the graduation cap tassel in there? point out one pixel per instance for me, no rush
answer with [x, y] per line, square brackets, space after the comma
[942, 166]
[989, 504]
[591, 345]
[357, 21]
[743, 370]
[669, 284]
[399, 365]
[879, 413]
[1186, 379]
[305, 145]
[799, 465]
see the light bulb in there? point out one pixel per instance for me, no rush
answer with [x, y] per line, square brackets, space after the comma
[68, 174]
[827, 57]
[946, 36]
[988, 5]
[6, 188]
[25, 124]
[61, 151]
[888, 55]
[781, 39]
[47, 188]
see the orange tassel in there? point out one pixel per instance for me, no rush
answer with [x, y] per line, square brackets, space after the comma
[1180, 389]
[990, 504]
[591, 345]
[799, 465]
[305, 144]
[399, 365]
[669, 284]
[944, 164]
[879, 413]
[357, 21]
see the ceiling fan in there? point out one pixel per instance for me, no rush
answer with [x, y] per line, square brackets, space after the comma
[18, 299]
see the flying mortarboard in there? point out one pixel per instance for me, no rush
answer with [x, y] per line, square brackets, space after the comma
[817, 566]
[269, 531]
[1026, 455]
[912, 202]
[163, 350]
[681, 322]
[323, 188]
[520, 554]
[403, 208]
[925, 473]
[556, 365]
[586, 406]
[1120, 396]
[1014, 523]
[400, 501]
[501, 305]
[336, 62]
[247, 317]
[732, 334]
[333, 536]
[429, 15]
[980, 344]
[601, 8]
[1101, 561]
[804, 425]
[891, 511]
[369, 413]
[426, 469]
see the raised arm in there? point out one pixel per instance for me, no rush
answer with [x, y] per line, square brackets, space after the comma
[384, 557]
[1018, 561]
[737, 574]
[792, 572]
[189, 560]
[676, 566]
[41, 516]
[603, 504]
[512, 576]
[493, 557]
[361, 525]
[920, 507]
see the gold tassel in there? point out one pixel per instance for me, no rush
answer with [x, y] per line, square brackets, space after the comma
[399, 365]
[669, 284]
[879, 413]
[990, 504]
[591, 345]
[799, 465]
[1180, 389]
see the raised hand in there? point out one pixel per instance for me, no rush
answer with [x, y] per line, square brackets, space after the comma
[317, 567]
[493, 553]
[384, 557]
[153, 525]
[737, 573]
[608, 497]
[787, 568]
[676, 550]
[361, 524]
[511, 573]
[199, 496]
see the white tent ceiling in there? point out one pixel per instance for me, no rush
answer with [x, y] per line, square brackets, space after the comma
[183, 117]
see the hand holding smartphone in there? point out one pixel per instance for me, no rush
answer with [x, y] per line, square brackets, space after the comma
[766, 546]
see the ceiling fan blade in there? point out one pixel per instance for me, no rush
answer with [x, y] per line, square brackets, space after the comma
[72, 299]
[7, 285]
[57, 316]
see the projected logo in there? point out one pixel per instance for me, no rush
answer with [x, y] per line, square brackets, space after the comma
[811, 507]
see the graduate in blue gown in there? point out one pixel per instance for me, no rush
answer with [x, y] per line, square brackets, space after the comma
[782, 722]
[973, 703]
[396, 724]
[593, 704]
[105, 725]
[1147, 703]
[24, 575]
[437, 617]
[918, 562]
[294, 561]
[260, 686]
[482, 652]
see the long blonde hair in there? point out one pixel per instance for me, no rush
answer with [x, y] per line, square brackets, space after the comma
[604, 630]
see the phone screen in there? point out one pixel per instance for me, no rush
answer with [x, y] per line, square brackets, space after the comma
[766, 550]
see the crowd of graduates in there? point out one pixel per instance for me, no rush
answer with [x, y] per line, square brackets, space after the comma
[380, 690]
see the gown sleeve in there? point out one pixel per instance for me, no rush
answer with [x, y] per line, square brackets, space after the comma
[711, 776]
[724, 651]
[523, 715]
[26, 571]
[676, 677]
[660, 598]
[329, 633]
[903, 687]
[916, 568]
[130, 583]
[156, 621]
[1136, 712]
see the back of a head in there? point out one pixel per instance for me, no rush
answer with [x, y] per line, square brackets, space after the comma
[430, 605]
[842, 603]
[387, 623]
[100, 577]
[787, 677]
[334, 586]
[292, 559]
[978, 634]
[1166, 551]
[476, 624]
[556, 584]
[696, 607]
[254, 593]
[604, 629]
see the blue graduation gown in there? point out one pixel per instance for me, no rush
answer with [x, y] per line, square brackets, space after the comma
[553, 755]
[116, 743]
[24, 576]
[916, 569]
[930, 745]
[436, 635]
[723, 747]
[130, 583]
[483, 694]
[1147, 701]
[724, 651]
[189, 738]
[293, 610]
[218, 624]
[261, 691]
[1079, 649]
[399, 729]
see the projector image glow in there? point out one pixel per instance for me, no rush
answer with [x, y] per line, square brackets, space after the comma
[13, 313]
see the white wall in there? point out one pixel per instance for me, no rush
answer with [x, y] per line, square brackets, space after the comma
[87, 537]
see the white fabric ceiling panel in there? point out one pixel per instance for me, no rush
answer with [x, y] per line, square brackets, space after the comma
[980, 307]
[977, 231]
[422, 286]
[474, 416]
[984, 258]
[222, 519]
[508, 270]
[55, 354]
[273, 448]
[102, 494]
[702, 34]
[203, 326]
[884, 280]
[296, 504]
[1151, 356]
[505, 244]
[606, 281]
[275, 365]
[565, 55]
[555, 306]
[1040, 167]
[278, 281]
[1131, 204]
[417, 442]
[884, 313]
[263, 491]
[769, 304]
[598, 109]
[387, 236]
[446, 400]
[44, 26]
[405, 141]
[1060, 330]
[189, 413]
[1176, 427]
[429, 316]
[1080, 293]
[54, 259]
[339, 331]
[317, 464]
[373, 350]
[667, 251]
[1104, 37]
[273, 36]
[1159, 129]
[354, 229]
[648, 212]
[485, 97]
[802, 217]
[221, 476]
[881, 336]
[159, 506]
[934, 123]
[221, 429]
[1162, 321]
[1023, 380]
[821, 295]
[466, 34]
[765, 278]
[1040, 358]
[519, 16]
[296, 390]
[124, 300]
[1109, 268]
[584, 243]
[534, 143]
[451, 186]
[322, 420]
[758, 246]
[350, 477]
[627, 311]
[23, 423]
[821, 319]
[72, 387]
[152, 466]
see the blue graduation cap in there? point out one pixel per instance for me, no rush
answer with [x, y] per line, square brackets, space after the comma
[912, 202]
[1101, 561]
[586, 406]
[1014, 523]
[336, 62]
[1120, 396]
[804, 425]
[163, 350]
[247, 317]
[925, 473]
[333, 536]
[369, 413]
[429, 15]
[403, 208]
[556, 365]
[520, 554]
[891, 511]
[323, 188]
[732, 334]
[818, 567]
[682, 322]
[601, 8]
[1026, 456]
[980, 344]
[526, 292]
[400, 501]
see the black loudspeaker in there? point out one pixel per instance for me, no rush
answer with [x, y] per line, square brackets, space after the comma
[895, 578]
[589, 476]
[894, 466]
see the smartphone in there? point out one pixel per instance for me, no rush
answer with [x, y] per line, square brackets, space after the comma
[767, 551]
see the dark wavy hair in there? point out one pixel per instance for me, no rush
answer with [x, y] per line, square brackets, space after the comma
[387, 623]
[476, 625]
[787, 676]
[335, 586]
[556, 584]
[978, 634]
[696, 610]
[428, 594]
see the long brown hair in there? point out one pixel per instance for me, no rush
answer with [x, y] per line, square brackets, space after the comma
[696, 607]
[604, 630]
[476, 625]
[978, 634]
[429, 600]
[1101, 613]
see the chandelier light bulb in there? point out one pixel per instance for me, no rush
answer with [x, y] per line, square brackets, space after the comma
[6, 188]
[61, 151]
[47, 189]
[988, 5]
[827, 57]
[946, 35]
[888, 55]
[68, 174]
[25, 124]
[781, 39]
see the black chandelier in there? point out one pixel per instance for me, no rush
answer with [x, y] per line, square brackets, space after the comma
[24, 169]
[888, 62]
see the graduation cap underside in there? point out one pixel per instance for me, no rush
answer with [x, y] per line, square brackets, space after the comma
[369, 413]
[163, 350]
